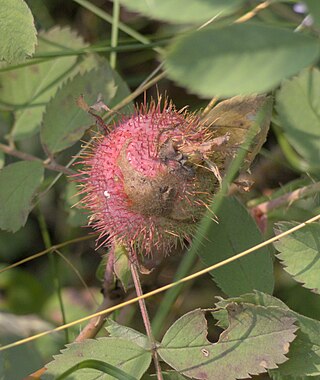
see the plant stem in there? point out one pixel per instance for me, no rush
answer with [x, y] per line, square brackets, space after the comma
[165, 287]
[52, 249]
[254, 12]
[28, 157]
[209, 107]
[286, 199]
[114, 32]
[123, 27]
[54, 267]
[78, 274]
[145, 315]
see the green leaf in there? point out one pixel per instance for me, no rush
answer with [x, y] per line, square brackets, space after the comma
[184, 12]
[242, 58]
[170, 375]
[277, 376]
[28, 357]
[17, 31]
[298, 106]
[64, 121]
[257, 338]
[22, 292]
[314, 9]
[120, 353]
[256, 298]
[29, 88]
[240, 118]
[300, 254]
[76, 216]
[304, 353]
[18, 185]
[119, 331]
[75, 307]
[121, 266]
[2, 159]
[101, 269]
[228, 237]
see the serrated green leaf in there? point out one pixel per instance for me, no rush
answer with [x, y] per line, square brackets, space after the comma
[298, 106]
[256, 339]
[17, 31]
[18, 185]
[238, 59]
[31, 87]
[300, 254]
[118, 331]
[229, 237]
[64, 121]
[304, 353]
[118, 352]
[184, 12]
[256, 298]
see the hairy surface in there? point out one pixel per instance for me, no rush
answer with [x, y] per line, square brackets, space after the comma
[146, 183]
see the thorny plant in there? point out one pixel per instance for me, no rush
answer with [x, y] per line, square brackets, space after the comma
[156, 182]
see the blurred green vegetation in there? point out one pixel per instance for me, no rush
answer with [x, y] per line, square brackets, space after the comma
[31, 288]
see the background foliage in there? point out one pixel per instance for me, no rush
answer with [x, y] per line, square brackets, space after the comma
[269, 309]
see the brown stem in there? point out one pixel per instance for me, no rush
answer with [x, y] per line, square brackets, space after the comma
[95, 324]
[51, 165]
[145, 315]
[89, 332]
[111, 297]
[286, 199]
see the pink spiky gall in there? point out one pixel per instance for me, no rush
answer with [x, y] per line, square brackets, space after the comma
[146, 183]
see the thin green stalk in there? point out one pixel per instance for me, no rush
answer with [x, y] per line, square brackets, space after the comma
[123, 27]
[102, 49]
[78, 274]
[115, 32]
[54, 268]
[24, 64]
[45, 57]
[52, 249]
